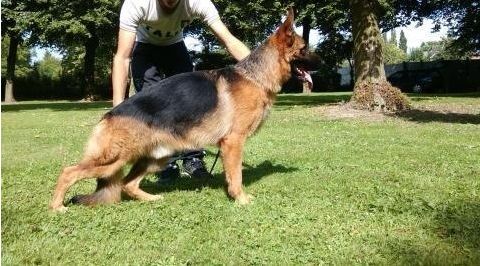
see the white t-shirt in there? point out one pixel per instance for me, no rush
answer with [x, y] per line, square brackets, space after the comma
[152, 25]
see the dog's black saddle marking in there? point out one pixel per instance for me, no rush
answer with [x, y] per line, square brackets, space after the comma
[174, 104]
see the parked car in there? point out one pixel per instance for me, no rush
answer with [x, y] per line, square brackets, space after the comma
[419, 81]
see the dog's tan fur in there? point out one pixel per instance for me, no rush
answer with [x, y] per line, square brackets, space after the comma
[244, 100]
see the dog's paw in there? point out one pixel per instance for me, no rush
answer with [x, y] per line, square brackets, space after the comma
[244, 199]
[155, 197]
[59, 209]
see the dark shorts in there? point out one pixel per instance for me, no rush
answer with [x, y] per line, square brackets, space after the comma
[151, 63]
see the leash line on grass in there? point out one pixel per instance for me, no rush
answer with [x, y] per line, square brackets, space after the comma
[215, 162]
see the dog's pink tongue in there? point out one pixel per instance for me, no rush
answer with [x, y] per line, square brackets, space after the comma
[306, 76]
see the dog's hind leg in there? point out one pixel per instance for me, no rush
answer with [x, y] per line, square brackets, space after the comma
[108, 191]
[232, 149]
[70, 175]
[131, 183]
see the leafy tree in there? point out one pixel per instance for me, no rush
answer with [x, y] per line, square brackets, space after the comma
[393, 37]
[393, 54]
[249, 21]
[91, 24]
[17, 21]
[428, 51]
[24, 57]
[416, 55]
[385, 37]
[49, 67]
[436, 50]
[403, 42]
[310, 14]
[462, 18]
[334, 26]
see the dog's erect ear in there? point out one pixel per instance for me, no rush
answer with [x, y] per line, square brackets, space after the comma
[286, 31]
[290, 18]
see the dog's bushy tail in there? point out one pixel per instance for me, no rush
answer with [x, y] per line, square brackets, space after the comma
[108, 191]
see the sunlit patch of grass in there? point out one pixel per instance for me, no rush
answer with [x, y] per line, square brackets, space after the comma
[403, 190]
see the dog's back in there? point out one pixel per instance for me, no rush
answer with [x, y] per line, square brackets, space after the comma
[173, 104]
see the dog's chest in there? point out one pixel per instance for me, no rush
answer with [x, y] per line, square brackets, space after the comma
[260, 118]
[161, 151]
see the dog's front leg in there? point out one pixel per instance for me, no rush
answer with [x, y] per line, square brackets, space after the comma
[232, 149]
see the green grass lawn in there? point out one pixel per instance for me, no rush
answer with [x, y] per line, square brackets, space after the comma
[397, 190]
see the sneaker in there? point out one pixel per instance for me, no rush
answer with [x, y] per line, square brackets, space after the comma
[195, 167]
[170, 173]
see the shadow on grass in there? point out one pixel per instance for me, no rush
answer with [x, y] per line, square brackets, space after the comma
[459, 224]
[425, 97]
[55, 106]
[456, 224]
[414, 252]
[251, 174]
[426, 116]
[286, 100]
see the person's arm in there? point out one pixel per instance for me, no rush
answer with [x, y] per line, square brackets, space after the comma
[121, 61]
[234, 46]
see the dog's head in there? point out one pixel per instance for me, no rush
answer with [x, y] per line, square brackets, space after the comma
[294, 55]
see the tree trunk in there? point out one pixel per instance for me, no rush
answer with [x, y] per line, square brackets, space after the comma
[89, 66]
[372, 91]
[352, 73]
[306, 24]
[10, 75]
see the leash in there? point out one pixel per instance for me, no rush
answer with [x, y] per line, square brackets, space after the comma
[215, 162]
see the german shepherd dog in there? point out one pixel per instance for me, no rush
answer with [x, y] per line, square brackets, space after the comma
[186, 112]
